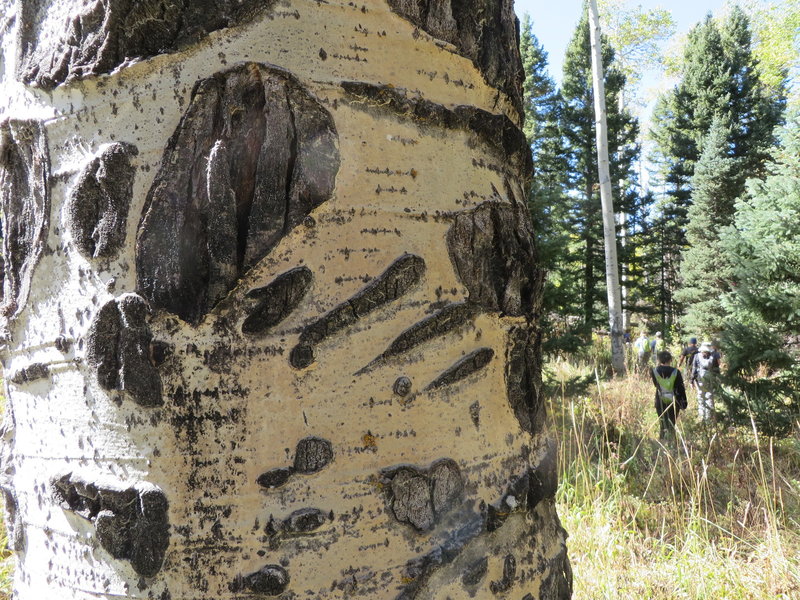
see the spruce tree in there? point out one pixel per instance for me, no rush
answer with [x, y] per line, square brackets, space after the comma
[706, 268]
[719, 80]
[542, 105]
[763, 309]
[577, 124]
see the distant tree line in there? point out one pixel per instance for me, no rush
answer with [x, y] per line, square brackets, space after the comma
[712, 250]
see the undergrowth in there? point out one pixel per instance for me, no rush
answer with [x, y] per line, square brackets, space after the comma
[713, 514]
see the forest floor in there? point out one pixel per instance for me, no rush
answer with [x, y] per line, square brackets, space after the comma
[714, 515]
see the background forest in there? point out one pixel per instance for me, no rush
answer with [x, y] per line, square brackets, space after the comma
[707, 200]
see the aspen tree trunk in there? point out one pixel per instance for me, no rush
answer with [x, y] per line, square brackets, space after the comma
[609, 225]
[270, 303]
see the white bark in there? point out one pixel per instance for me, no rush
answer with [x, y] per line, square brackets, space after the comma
[609, 229]
[333, 397]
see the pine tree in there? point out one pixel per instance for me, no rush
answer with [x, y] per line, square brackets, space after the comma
[578, 122]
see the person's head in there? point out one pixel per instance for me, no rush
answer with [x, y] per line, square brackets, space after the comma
[658, 334]
[693, 341]
[706, 348]
[664, 357]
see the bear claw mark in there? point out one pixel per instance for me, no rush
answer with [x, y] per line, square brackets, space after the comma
[131, 522]
[119, 346]
[448, 319]
[402, 275]
[277, 300]
[259, 153]
[463, 368]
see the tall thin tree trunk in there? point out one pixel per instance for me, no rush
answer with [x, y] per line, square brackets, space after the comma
[267, 267]
[609, 226]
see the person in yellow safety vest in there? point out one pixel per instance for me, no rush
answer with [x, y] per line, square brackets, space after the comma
[657, 345]
[670, 394]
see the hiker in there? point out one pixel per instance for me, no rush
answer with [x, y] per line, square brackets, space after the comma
[687, 354]
[705, 369]
[670, 394]
[657, 345]
[642, 347]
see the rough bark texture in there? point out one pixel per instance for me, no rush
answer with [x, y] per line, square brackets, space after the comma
[492, 250]
[98, 205]
[486, 31]
[91, 37]
[252, 156]
[25, 205]
[279, 337]
[119, 349]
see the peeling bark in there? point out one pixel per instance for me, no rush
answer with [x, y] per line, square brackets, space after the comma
[98, 205]
[25, 205]
[253, 155]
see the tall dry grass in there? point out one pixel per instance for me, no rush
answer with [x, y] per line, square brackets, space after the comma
[711, 515]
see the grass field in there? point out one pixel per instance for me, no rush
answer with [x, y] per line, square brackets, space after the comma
[714, 516]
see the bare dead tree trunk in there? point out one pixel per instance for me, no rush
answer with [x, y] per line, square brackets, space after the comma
[609, 225]
[270, 304]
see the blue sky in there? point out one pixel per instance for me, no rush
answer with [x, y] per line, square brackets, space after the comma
[554, 21]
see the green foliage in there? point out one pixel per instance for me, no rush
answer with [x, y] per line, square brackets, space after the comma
[776, 28]
[637, 35]
[719, 83]
[763, 309]
[706, 269]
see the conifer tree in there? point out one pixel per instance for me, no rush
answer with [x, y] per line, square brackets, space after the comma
[763, 309]
[719, 80]
[706, 270]
[543, 107]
